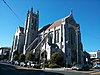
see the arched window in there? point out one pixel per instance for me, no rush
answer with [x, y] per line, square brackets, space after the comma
[72, 36]
[57, 36]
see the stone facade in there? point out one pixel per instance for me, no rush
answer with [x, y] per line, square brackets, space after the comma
[31, 29]
[25, 35]
[61, 36]
[18, 41]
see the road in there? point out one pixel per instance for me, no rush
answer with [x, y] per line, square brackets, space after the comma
[13, 70]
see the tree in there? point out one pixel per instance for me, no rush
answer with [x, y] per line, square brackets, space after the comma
[57, 58]
[22, 58]
[15, 57]
[15, 53]
[30, 56]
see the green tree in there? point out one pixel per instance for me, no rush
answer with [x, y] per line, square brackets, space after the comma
[57, 58]
[16, 57]
[15, 53]
[22, 58]
[30, 56]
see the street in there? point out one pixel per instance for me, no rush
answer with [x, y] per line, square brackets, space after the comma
[13, 70]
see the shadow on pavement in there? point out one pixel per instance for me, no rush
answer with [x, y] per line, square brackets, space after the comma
[12, 70]
[36, 72]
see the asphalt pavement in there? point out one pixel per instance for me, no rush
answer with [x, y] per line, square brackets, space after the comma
[16, 70]
[13, 70]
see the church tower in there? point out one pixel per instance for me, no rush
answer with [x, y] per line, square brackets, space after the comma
[31, 28]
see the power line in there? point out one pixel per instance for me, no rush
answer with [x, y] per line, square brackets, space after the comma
[13, 11]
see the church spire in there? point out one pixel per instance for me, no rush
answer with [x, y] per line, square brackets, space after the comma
[71, 12]
[32, 9]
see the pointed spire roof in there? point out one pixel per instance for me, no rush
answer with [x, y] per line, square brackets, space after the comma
[71, 13]
[32, 9]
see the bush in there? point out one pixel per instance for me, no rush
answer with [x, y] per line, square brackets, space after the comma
[54, 65]
[37, 66]
[16, 57]
[22, 58]
[57, 58]
[30, 56]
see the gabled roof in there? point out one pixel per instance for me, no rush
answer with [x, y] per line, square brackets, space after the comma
[21, 29]
[68, 18]
[6, 48]
[44, 28]
[55, 24]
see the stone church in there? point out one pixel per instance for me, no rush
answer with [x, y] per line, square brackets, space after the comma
[62, 36]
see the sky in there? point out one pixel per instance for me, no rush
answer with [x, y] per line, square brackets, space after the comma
[85, 12]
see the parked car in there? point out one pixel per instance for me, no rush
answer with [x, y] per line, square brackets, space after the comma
[12, 62]
[77, 67]
[97, 66]
[81, 67]
[29, 64]
[1, 61]
[16, 63]
[32, 64]
[23, 64]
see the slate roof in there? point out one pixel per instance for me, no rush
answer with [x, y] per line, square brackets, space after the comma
[44, 28]
[55, 24]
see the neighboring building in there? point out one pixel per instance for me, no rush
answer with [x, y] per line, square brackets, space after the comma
[62, 35]
[95, 54]
[98, 54]
[4, 52]
[95, 57]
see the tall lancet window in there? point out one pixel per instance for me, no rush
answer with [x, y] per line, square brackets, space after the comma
[16, 38]
[57, 36]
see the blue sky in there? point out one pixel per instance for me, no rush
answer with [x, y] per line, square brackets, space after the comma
[85, 12]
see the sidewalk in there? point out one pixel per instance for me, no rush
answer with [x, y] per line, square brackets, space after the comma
[57, 69]
[53, 69]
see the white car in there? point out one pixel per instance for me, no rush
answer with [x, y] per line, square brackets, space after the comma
[31, 64]
[77, 67]
[16, 63]
[23, 64]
